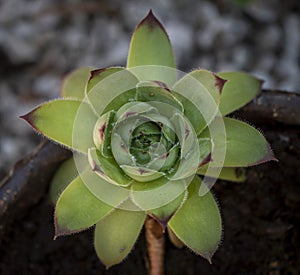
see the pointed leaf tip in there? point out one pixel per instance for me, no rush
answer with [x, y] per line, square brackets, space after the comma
[220, 82]
[151, 22]
[150, 45]
[29, 118]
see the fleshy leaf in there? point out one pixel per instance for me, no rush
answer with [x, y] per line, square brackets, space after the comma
[239, 89]
[164, 213]
[141, 174]
[98, 75]
[55, 119]
[173, 238]
[65, 174]
[153, 91]
[199, 92]
[155, 194]
[245, 146]
[74, 84]
[235, 174]
[116, 234]
[198, 222]
[107, 168]
[115, 86]
[102, 133]
[77, 209]
[109, 193]
[150, 45]
[213, 83]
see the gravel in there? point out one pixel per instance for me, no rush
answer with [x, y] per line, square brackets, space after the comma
[42, 40]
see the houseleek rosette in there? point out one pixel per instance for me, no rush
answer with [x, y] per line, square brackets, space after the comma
[139, 138]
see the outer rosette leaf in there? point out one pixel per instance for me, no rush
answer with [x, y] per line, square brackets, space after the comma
[239, 89]
[164, 213]
[199, 93]
[116, 234]
[198, 222]
[150, 45]
[74, 84]
[245, 146]
[235, 174]
[110, 88]
[107, 168]
[65, 174]
[77, 209]
[154, 196]
[55, 119]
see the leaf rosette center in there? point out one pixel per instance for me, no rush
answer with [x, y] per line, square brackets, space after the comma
[140, 137]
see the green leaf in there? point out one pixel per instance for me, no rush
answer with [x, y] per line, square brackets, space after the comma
[141, 174]
[74, 84]
[65, 174]
[110, 88]
[102, 133]
[173, 238]
[213, 83]
[55, 120]
[164, 213]
[116, 234]
[150, 45]
[155, 91]
[107, 168]
[239, 89]
[96, 76]
[105, 191]
[199, 92]
[198, 222]
[245, 146]
[77, 209]
[158, 193]
[235, 174]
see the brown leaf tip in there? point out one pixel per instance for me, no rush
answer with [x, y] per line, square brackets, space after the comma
[61, 231]
[151, 22]
[30, 118]
[220, 82]
[206, 160]
[95, 73]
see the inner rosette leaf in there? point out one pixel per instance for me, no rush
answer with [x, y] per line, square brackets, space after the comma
[143, 142]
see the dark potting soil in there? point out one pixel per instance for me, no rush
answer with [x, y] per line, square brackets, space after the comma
[261, 229]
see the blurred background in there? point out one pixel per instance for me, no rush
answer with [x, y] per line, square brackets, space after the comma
[43, 40]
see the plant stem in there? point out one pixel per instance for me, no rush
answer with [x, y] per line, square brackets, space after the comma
[155, 239]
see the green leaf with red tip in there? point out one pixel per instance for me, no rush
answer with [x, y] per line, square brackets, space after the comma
[155, 91]
[212, 82]
[55, 119]
[239, 89]
[200, 93]
[110, 88]
[116, 234]
[102, 133]
[235, 174]
[96, 76]
[107, 168]
[77, 209]
[198, 222]
[150, 45]
[158, 193]
[245, 146]
[65, 174]
[74, 84]
[141, 174]
[164, 213]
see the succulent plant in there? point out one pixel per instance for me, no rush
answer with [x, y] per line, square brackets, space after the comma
[148, 140]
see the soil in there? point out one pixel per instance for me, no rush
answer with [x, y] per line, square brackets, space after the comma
[261, 228]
